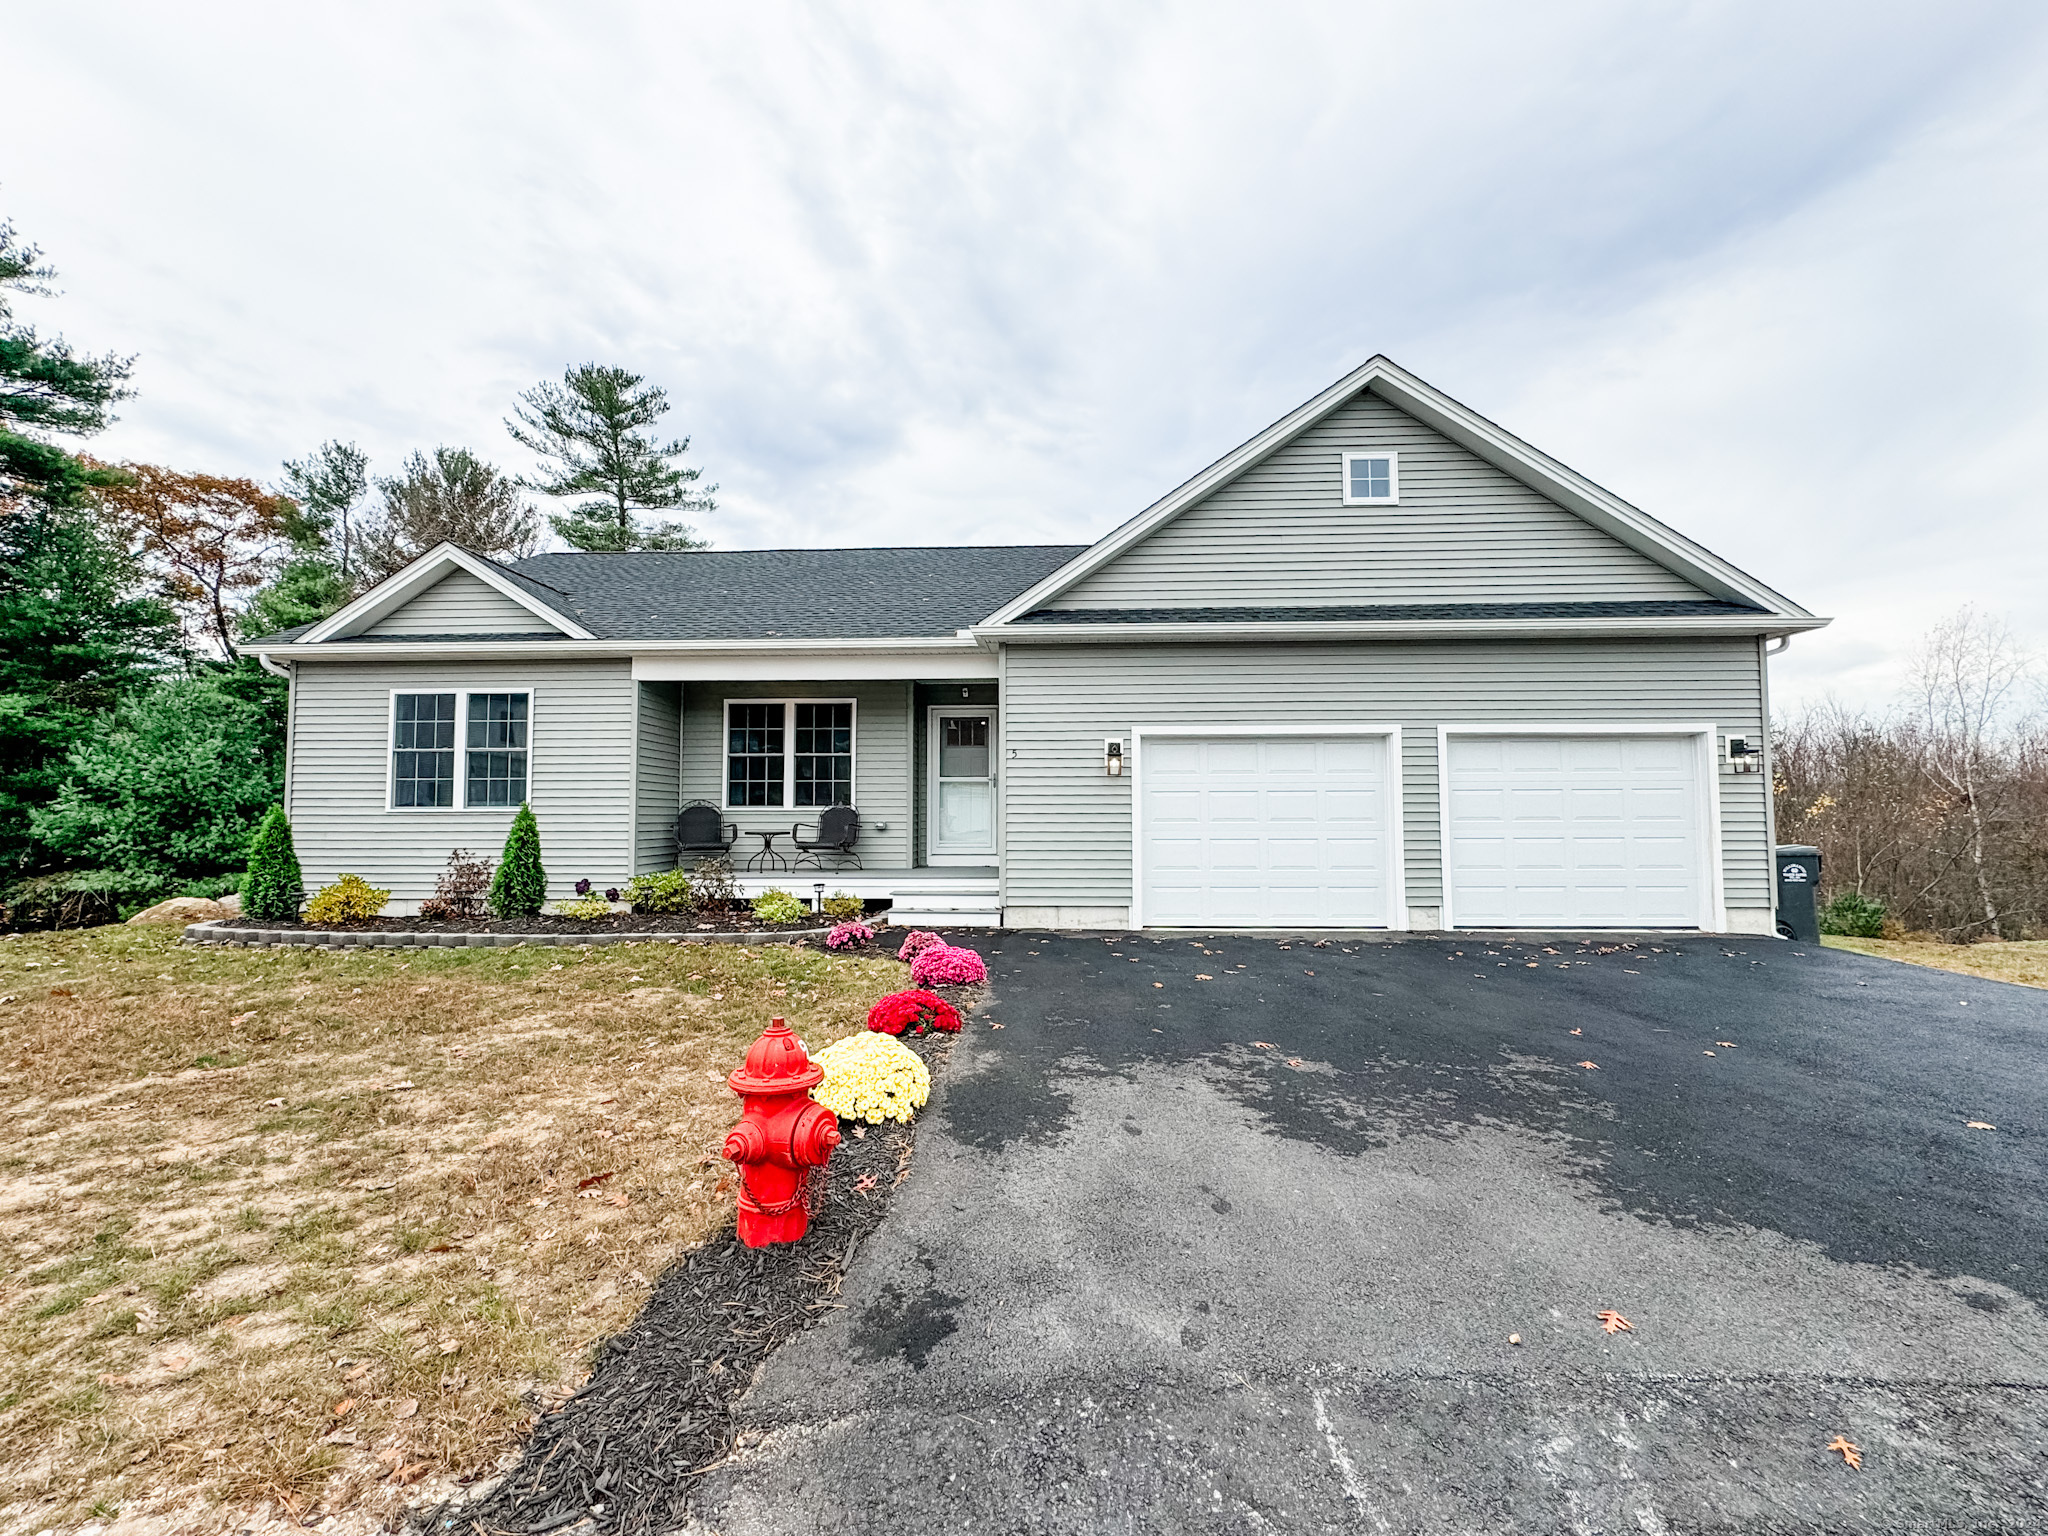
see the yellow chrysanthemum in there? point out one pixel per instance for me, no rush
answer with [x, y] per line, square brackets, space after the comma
[872, 1077]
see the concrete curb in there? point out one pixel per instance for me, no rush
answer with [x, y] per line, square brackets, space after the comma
[211, 932]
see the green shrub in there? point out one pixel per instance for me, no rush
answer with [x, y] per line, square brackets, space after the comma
[520, 888]
[777, 906]
[79, 898]
[843, 908]
[273, 888]
[211, 888]
[666, 892]
[1852, 915]
[351, 899]
[585, 909]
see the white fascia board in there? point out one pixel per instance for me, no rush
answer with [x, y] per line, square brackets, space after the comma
[946, 665]
[395, 591]
[1502, 449]
[1399, 629]
[915, 656]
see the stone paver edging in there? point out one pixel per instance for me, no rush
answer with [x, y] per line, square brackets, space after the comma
[211, 932]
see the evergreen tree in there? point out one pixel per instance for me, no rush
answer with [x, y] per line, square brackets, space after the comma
[520, 888]
[305, 590]
[588, 430]
[329, 485]
[448, 496]
[274, 887]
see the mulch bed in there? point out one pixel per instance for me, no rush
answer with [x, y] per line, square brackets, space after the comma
[738, 920]
[658, 1412]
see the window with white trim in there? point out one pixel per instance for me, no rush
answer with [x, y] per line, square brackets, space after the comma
[423, 749]
[493, 750]
[1372, 479]
[497, 749]
[789, 752]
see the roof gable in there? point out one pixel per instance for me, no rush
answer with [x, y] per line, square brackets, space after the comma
[1463, 531]
[1463, 453]
[459, 604]
[515, 603]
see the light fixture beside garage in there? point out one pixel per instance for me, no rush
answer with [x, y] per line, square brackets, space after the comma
[1113, 758]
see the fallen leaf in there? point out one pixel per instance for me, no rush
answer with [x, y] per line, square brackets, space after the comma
[1308, 973]
[1590, 1066]
[1514, 1338]
[1158, 983]
[392, 1459]
[621, 1201]
[241, 1018]
[1200, 977]
[273, 1103]
[864, 1183]
[1578, 1031]
[1533, 965]
[341, 1409]
[1850, 1452]
[1612, 1321]
[860, 1133]
[995, 1026]
[406, 1476]
[175, 1362]
[1706, 1053]
[399, 1087]
[1294, 1061]
[450, 1346]
[1726, 1045]
[596, 1179]
[1264, 1045]
[1980, 1125]
[358, 1373]
[60, 991]
[407, 1409]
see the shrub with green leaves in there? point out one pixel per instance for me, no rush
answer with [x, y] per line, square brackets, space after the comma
[274, 887]
[585, 909]
[778, 906]
[1853, 915]
[520, 888]
[665, 892]
[351, 899]
[843, 908]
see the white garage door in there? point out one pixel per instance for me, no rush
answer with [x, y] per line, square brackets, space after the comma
[1575, 832]
[1264, 832]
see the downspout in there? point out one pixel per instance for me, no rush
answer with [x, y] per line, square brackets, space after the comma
[291, 720]
[1765, 651]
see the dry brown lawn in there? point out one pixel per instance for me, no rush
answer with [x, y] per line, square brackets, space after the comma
[2022, 960]
[317, 1228]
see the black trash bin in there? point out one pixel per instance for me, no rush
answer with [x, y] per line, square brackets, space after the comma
[1798, 893]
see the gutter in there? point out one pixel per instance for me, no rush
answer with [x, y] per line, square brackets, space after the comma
[1413, 629]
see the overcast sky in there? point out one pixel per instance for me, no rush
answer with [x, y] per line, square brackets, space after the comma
[1774, 273]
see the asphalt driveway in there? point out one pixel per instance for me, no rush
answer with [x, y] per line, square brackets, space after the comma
[1232, 1235]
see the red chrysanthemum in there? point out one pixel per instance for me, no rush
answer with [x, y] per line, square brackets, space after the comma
[912, 1013]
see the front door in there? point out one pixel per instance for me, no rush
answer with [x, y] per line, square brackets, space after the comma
[963, 786]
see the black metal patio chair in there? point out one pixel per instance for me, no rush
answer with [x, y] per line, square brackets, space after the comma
[701, 833]
[838, 830]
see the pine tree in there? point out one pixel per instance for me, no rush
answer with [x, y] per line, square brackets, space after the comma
[449, 496]
[588, 429]
[520, 888]
[328, 485]
[274, 887]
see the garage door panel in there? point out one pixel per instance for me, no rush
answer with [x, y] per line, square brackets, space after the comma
[1585, 831]
[1264, 831]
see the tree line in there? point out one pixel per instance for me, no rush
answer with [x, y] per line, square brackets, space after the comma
[1931, 816]
[139, 745]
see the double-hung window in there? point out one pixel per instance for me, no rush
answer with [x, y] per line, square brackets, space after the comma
[1372, 479]
[493, 749]
[789, 752]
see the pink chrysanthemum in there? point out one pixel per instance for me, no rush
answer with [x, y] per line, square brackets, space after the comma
[917, 941]
[941, 965]
[851, 935]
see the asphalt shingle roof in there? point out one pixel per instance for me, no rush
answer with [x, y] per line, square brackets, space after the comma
[788, 594]
[1352, 613]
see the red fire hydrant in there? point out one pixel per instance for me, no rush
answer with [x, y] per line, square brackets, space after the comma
[782, 1139]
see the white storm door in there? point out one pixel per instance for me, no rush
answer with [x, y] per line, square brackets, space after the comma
[963, 785]
[1575, 832]
[1265, 832]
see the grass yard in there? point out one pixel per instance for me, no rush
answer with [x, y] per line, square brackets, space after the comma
[2024, 960]
[320, 1227]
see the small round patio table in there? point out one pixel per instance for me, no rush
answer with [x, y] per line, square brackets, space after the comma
[768, 854]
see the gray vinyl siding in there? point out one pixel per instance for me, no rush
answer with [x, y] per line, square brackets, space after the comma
[579, 778]
[1068, 825]
[1462, 532]
[881, 764]
[657, 776]
[459, 604]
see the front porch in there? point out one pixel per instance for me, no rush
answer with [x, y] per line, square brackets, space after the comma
[923, 898]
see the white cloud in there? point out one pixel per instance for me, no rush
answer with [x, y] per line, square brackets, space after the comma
[959, 273]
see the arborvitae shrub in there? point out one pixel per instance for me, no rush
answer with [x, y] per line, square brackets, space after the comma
[520, 888]
[273, 888]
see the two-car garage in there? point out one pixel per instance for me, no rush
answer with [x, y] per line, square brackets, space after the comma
[1538, 828]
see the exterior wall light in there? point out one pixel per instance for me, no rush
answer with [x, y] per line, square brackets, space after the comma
[1113, 759]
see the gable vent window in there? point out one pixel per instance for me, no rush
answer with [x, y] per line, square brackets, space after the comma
[1372, 479]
